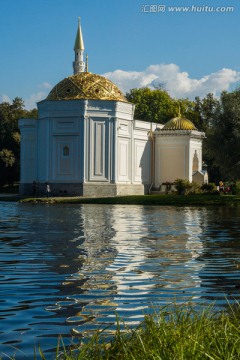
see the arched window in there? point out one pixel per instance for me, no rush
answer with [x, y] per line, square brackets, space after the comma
[195, 162]
[65, 151]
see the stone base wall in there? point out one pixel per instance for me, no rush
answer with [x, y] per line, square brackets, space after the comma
[106, 189]
[96, 189]
[130, 189]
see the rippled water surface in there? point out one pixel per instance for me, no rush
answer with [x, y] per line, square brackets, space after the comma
[68, 269]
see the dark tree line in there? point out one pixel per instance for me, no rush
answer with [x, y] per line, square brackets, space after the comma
[10, 139]
[223, 136]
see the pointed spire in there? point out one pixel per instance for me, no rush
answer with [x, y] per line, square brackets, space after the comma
[79, 64]
[79, 45]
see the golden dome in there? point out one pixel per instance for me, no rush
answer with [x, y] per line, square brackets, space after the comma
[179, 123]
[86, 86]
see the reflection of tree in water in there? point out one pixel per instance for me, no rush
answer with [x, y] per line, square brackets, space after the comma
[76, 246]
[82, 248]
[58, 236]
[220, 276]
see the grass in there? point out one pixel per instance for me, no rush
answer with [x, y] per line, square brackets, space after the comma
[163, 200]
[181, 334]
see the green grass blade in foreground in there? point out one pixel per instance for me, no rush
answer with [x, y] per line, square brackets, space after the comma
[171, 334]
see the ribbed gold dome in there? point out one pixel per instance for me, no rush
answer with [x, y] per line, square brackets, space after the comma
[86, 86]
[179, 123]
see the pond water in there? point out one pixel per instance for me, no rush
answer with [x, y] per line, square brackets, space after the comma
[69, 269]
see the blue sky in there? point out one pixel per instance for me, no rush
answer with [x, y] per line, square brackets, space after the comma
[190, 52]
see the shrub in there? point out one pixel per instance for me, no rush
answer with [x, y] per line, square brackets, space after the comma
[209, 188]
[182, 186]
[237, 187]
[195, 188]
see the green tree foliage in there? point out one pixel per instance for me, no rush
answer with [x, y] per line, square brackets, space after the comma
[223, 142]
[204, 112]
[7, 157]
[10, 139]
[158, 106]
[152, 105]
[187, 109]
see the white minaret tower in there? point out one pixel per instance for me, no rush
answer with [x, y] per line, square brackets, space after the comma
[79, 64]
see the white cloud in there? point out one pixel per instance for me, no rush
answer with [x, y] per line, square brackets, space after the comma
[5, 98]
[127, 80]
[31, 102]
[46, 85]
[177, 83]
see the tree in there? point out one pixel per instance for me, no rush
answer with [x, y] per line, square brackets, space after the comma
[187, 109]
[204, 114]
[152, 105]
[158, 106]
[7, 157]
[7, 160]
[10, 138]
[223, 142]
[205, 111]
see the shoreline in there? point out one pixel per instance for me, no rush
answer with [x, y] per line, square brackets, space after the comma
[157, 200]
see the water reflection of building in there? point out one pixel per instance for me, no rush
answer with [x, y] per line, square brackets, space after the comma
[193, 222]
[133, 280]
[114, 263]
[137, 258]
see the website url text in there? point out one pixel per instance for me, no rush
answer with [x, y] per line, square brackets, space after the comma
[157, 8]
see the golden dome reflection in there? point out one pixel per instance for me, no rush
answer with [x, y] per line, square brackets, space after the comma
[179, 123]
[85, 85]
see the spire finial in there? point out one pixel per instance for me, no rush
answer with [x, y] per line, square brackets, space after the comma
[79, 38]
[86, 67]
